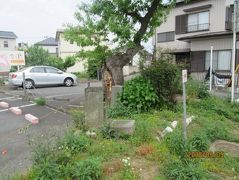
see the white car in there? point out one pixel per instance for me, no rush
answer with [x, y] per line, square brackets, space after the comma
[40, 76]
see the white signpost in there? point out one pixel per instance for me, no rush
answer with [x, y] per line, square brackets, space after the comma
[11, 58]
[184, 80]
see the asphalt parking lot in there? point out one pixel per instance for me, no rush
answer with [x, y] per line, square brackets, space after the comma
[16, 132]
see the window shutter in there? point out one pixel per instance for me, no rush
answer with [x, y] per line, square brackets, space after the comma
[198, 61]
[180, 24]
[228, 22]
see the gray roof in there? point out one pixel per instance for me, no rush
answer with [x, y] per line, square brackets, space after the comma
[7, 34]
[48, 42]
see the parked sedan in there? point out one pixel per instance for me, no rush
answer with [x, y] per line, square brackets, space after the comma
[40, 76]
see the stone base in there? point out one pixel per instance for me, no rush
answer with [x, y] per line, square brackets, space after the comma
[123, 127]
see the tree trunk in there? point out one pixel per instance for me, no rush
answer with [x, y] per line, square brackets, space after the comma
[116, 63]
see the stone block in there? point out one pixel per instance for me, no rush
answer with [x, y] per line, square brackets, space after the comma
[4, 105]
[16, 110]
[123, 127]
[32, 119]
[174, 124]
[115, 91]
[94, 107]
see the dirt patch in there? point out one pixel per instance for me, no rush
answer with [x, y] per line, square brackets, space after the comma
[229, 147]
[110, 168]
[146, 169]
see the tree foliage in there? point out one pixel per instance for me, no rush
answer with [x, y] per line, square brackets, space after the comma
[126, 23]
[36, 55]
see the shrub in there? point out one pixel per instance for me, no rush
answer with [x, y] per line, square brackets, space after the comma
[119, 110]
[87, 169]
[78, 117]
[164, 77]
[196, 89]
[74, 143]
[138, 94]
[41, 101]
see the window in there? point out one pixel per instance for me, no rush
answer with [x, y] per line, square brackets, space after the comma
[5, 44]
[166, 37]
[52, 70]
[198, 21]
[221, 60]
[37, 70]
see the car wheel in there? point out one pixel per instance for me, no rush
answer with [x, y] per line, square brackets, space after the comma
[29, 84]
[68, 82]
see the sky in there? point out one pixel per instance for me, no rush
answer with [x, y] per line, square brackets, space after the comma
[33, 20]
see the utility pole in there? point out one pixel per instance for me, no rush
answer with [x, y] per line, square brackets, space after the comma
[234, 49]
[211, 68]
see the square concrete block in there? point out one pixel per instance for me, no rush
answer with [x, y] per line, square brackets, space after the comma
[123, 127]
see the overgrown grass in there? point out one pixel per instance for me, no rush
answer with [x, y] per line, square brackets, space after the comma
[215, 119]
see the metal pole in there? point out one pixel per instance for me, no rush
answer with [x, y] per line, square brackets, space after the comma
[211, 68]
[234, 50]
[24, 85]
[184, 113]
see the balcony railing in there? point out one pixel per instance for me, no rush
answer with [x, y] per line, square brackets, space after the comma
[198, 27]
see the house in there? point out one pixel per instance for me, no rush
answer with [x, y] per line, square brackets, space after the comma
[7, 41]
[50, 44]
[68, 48]
[192, 28]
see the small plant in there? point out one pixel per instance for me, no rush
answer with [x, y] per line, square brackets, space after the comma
[74, 143]
[108, 133]
[139, 95]
[78, 117]
[200, 142]
[40, 101]
[127, 171]
[87, 169]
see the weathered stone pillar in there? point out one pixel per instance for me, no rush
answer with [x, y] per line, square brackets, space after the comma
[94, 107]
[115, 91]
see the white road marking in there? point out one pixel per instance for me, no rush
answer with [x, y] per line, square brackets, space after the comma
[6, 98]
[27, 105]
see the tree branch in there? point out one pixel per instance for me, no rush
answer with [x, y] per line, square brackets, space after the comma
[145, 21]
[135, 15]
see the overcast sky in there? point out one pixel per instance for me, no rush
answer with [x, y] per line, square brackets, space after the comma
[32, 20]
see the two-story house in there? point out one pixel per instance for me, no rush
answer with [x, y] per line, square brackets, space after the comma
[192, 28]
[49, 44]
[68, 48]
[7, 41]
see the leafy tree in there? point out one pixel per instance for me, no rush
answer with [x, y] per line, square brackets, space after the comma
[36, 55]
[127, 22]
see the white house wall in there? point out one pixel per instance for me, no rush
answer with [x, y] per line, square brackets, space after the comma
[217, 22]
[50, 49]
[11, 44]
[218, 44]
